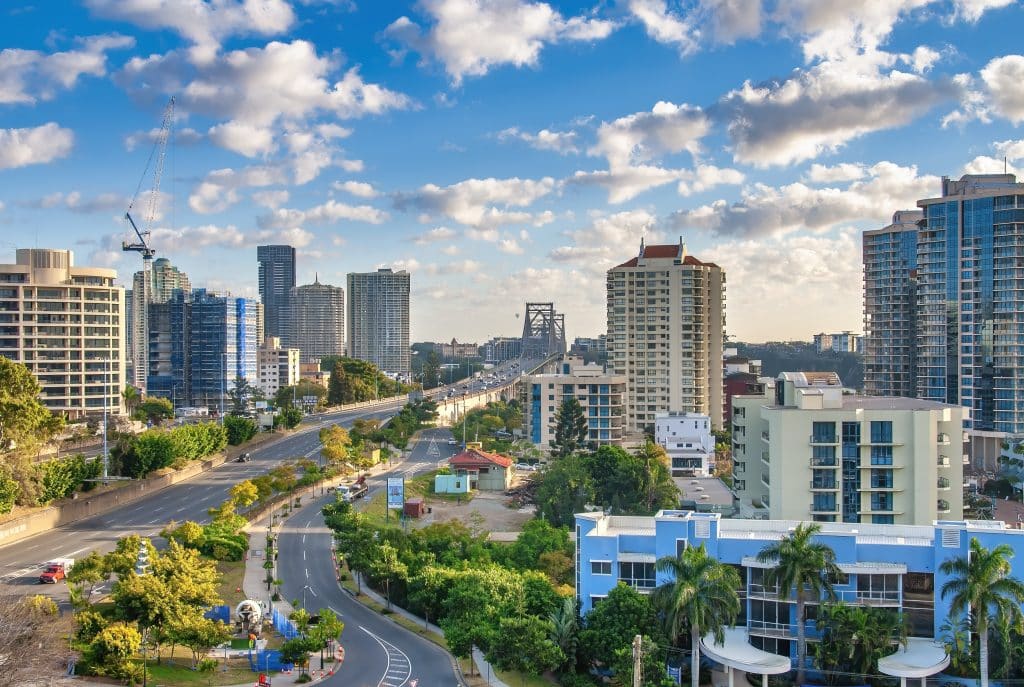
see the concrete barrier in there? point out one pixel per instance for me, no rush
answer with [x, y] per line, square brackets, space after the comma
[87, 504]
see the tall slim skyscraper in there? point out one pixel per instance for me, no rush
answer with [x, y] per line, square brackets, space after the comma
[378, 319]
[165, 280]
[314, 321]
[666, 330]
[969, 305]
[66, 325]
[890, 310]
[276, 277]
[222, 345]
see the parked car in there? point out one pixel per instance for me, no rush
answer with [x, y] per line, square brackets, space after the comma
[244, 458]
[525, 467]
[452, 442]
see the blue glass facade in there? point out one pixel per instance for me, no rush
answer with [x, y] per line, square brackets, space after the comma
[894, 566]
[222, 345]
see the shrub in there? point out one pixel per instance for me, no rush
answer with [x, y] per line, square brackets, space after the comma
[239, 429]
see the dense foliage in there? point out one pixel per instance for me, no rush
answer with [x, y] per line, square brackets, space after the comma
[481, 424]
[353, 381]
[155, 449]
[239, 429]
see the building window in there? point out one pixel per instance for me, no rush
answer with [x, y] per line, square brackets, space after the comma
[595, 599]
[883, 519]
[637, 575]
[881, 501]
[600, 567]
[881, 455]
[823, 432]
[881, 432]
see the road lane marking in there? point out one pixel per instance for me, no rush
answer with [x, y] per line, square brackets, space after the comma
[307, 573]
[402, 664]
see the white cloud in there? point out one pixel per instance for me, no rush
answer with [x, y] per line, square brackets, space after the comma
[260, 87]
[768, 211]
[434, 235]
[27, 76]
[844, 171]
[705, 177]
[922, 59]
[606, 239]
[469, 37]
[984, 164]
[242, 138]
[734, 19]
[665, 26]
[820, 109]
[180, 137]
[971, 10]
[814, 271]
[561, 142]
[625, 184]
[330, 212]
[639, 137]
[360, 189]
[75, 202]
[1003, 77]
[203, 22]
[510, 247]
[271, 199]
[481, 203]
[219, 190]
[34, 146]
[1013, 150]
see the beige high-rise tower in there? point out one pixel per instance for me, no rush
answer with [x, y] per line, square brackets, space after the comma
[666, 330]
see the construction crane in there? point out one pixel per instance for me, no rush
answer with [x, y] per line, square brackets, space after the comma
[142, 292]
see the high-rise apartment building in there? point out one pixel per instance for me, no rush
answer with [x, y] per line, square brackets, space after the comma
[314, 321]
[277, 367]
[276, 279]
[959, 266]
[165, 280]
[666, 329]
[890, 307]
[170, 369]
[601, 395]
[66, 324]
[840, 342]
[222, 345]
[378, 319]
[807, 449]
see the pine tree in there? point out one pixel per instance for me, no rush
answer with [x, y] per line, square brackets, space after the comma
[570, 429]
[337, 386]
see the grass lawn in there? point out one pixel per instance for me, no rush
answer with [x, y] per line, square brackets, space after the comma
[423, 485]
[233, 572]
[180, 673]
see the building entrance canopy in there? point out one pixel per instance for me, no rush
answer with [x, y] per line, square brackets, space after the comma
[919, 658]
[737, 653]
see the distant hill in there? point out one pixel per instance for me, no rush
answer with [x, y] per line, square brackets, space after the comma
[799, 356]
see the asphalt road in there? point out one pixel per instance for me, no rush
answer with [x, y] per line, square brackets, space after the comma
[378, 652]
[21, 562]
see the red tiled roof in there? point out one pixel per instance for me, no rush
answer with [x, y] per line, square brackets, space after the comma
[474, 457]
[666, 251]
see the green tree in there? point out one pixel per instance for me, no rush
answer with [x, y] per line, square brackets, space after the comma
[980, 585]
[153, 409]
[296, 651]
[241, 395]
[565, 631]
[291, 396]
[701, 598]
[25, 423]
[112, 648]
[327, 629]
[805, 567]
[244, 493]
[199, 634]
[85, 575]
[290, 417]
[9, 491]
[537, 538]
[336, 443]
[526, 646]
[338, 388]
[131, 398]
[388, 568]
[570, 429]
[854, 638]
[565, 487]
[612, 624]
[152, 450]
[239, 429]
[430, 374]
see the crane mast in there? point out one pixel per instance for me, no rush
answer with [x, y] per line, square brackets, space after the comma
[142, 288]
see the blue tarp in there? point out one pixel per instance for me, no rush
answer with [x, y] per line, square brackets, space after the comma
[284, 626]
[267, 662]
[221, 613]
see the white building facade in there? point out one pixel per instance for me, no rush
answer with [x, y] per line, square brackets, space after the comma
[806, 449]
[66, 324]
[276, 367]
[687, 439]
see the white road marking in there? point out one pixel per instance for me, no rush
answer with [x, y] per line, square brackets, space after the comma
[303, 554]
[403, 666]
[307, 573]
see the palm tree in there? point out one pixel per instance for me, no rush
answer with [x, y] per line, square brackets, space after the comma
[131, 399]
[565, 629]
[806, 567]
[700, 598]
[980, 585]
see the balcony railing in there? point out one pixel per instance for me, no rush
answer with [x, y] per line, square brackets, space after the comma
[765, 435]
[942, 506]
[942, 439]
[770, 629]
[943, 483]
[822, 439]
[824, 485]
[943, 461]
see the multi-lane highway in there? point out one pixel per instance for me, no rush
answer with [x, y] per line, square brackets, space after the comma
[20, 562]
[378, 652]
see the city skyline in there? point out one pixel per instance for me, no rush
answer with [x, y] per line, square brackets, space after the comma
[386, 135]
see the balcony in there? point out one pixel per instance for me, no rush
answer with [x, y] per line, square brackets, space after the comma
[942, 439]
[816, 509]
[824, 462]
[942, 506]
[739, 467]
[824, 485]
[765, 436]
[822, 440]
[767, 628]
[762, 591]
[943, 484]
[943, 461]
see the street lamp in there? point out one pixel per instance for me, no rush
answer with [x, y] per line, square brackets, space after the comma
[142, 569]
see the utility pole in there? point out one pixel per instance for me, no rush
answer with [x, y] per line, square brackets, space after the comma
[638, 661]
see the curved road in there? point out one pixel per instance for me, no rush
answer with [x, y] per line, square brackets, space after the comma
[378, 652]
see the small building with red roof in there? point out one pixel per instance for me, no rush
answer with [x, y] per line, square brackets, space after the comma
[483, 470]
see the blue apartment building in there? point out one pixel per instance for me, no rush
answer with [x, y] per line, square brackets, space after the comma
[894, 566]
[222, 345]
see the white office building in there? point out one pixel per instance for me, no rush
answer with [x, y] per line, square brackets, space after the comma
[66, 324]
[276, 367]
[808, 449]
[687, 439]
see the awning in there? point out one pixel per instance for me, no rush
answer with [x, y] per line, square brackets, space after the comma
[921, 657]
[737, 652]
[630, 557]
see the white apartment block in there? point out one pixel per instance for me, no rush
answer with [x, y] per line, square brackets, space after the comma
[687, 439]
[602, 396]
[378, 319]
[276, 367]
[666, 329]
[808, 449]
[66, 324]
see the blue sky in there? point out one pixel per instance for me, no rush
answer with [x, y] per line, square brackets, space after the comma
[505, 150]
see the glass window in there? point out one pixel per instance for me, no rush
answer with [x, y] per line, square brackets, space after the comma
[881, 455]
[637, 575]
[881, 431]
[823, 432]
[600, 567]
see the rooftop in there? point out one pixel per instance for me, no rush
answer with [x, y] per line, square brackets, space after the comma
[473, 457]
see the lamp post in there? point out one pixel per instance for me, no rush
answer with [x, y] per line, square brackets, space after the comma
[142, 569]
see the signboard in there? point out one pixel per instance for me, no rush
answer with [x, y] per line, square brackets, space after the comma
[264, 680]
[396, 492]
[309, 400]
[261, 405]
